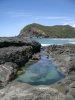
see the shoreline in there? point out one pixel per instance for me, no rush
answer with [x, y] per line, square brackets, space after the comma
[62, 89]
[51, 38]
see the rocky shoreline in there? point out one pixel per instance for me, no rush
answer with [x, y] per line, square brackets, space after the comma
[14, 53]
[63, 56]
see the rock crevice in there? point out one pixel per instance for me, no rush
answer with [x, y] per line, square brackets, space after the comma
[14, 52]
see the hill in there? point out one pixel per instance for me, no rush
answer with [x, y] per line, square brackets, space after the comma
[57, 31]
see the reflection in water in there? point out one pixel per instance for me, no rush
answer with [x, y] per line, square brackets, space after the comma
[43, 72]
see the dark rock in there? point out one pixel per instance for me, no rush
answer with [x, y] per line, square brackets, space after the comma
[18, 42]
[71, 66]
[36, 46]
[16, 51]
[12, 41]
[18, 55]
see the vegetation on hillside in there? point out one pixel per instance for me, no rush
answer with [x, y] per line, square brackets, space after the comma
[57, 31]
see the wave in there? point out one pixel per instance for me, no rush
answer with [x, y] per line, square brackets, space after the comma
[72, 42]
[69, 39]
[45, 44]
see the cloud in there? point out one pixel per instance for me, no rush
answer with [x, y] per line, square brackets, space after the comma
[51, 17]
[19, 14]
[61, 18]
[66, 24]
[72, 24]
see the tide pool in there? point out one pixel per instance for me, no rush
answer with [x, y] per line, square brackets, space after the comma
[44, 72]
[52, 41]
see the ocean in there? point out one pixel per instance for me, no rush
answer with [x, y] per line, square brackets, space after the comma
[56, 41]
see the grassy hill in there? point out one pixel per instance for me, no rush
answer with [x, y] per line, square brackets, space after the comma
[57, 31]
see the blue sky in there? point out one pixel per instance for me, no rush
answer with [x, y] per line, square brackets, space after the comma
[15, 14]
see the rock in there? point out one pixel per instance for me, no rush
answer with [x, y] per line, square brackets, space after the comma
[68, 97]
[16, 41]
[71, 66]
[64, 57]
[36, 56]
[18, 55]
[14, 52]
[7, 72]
[23, 91]
[12, 41]
[18, 50]
[72, 85]
[36, 46]
[72, 92]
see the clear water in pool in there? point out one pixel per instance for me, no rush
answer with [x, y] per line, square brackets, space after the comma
[44, 72]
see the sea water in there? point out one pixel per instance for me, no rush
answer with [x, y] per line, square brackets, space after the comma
[43, 72]
[52, 41]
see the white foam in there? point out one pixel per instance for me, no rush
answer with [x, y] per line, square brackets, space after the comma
[62, 39]
[45, 44]
[72, 42]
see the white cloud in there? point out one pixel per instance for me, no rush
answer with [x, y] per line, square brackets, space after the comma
[72, 24]
[18, 14]
[66, 24]
[51, 17]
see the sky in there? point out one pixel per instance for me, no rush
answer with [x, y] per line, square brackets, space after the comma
[16, 14]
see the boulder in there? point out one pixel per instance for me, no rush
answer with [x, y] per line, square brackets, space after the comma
[14, 52]
[18, 42]
[7, 72]
[36, 46]
[71, 66]
[36, 56]
[18, 55]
